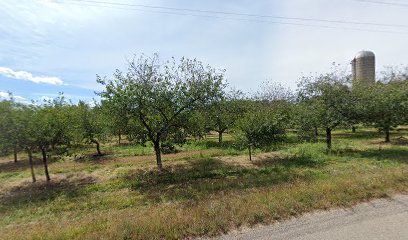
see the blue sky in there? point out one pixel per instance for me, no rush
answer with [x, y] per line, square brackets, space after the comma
[44, 41]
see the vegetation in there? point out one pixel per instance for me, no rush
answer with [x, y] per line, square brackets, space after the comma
[161, 95]
[202, 191]
[207, 186]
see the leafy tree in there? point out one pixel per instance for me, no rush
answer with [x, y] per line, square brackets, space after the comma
[11, 127]
[118, 123]
[90, 124]
[261, 127]
[383, 105]
[274, 92]
[224, 112]
[197, 124]
[305, 118]
[328, 99]
[49, 128]
[135, 132]
[160, 94]
[6, 126]
[29, 133]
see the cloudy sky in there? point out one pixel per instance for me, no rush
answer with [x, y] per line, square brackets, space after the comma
[49, 46]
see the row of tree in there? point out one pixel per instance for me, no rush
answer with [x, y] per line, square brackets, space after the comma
[167, 102]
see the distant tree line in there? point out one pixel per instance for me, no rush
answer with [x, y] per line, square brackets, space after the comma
[169, 102]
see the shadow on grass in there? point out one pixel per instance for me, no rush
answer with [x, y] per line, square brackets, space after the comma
[202, 178]
[41, 191]
[401, 141]
[12, 166]
[93, 158]
[207, 144]
[21, 165]
[359, 135]
[398, 155]
[295, 161]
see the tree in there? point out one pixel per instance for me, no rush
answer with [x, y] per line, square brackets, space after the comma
[384, 105]
[160, 94]
[6, 126]
[118, 124]
[305, 118]
[224, 112]
[90, 124]
[197, 124]
[49, 128]
[261, 127]
[11, 127]
[274, 92]
[327, 96]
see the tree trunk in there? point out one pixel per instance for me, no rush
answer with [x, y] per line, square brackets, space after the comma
[158, 154]
[387, 135]
[250, 152]
[120, 138]
[220, 136]
[15, 155]
[98, 149]
[353, 129]
[45, 162]
[329, 139]
[316, 133]
[30, 160]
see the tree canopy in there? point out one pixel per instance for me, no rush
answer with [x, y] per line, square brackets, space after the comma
[160, 94]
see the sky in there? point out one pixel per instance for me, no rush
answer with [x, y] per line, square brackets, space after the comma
[50, 46]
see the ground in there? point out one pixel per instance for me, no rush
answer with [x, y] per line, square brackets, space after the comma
[205, 190]
[381, 219]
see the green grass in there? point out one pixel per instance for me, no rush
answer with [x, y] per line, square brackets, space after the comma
[205, 190]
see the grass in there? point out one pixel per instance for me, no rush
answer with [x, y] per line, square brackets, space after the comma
[206, 189]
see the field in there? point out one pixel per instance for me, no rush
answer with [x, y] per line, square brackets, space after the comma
[206, 189]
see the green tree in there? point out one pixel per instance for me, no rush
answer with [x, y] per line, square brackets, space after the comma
[305, 118]
[6, 126]
[118, 121]
[224, 112]
[327, 97]
[90, 124]
[11, 127]
[383, 105]
[29, 133]
[261, 127]
[50, 125]
[160, 94]
[197, 124]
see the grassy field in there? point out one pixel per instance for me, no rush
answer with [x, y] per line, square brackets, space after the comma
[206, 189]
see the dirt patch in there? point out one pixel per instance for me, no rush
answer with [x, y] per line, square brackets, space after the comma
[262, 159]
[151, 159]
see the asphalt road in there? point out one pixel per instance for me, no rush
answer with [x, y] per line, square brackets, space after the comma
[385, 219]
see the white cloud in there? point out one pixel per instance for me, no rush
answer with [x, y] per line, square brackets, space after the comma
[23, 75]
[6, 95]
[46, 99]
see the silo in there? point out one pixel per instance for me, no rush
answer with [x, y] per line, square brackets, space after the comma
[363, 66]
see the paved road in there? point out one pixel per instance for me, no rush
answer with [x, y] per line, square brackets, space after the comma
[385, 219]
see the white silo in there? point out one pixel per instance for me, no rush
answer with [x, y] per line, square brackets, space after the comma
[363, 66]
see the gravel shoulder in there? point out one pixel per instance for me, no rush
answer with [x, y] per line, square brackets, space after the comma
[378, 219]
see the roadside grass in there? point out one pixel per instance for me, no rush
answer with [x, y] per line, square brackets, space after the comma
[206, 189]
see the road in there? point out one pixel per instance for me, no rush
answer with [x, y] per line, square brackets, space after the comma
[384, 219]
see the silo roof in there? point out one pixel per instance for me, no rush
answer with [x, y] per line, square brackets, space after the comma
[363, 54]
